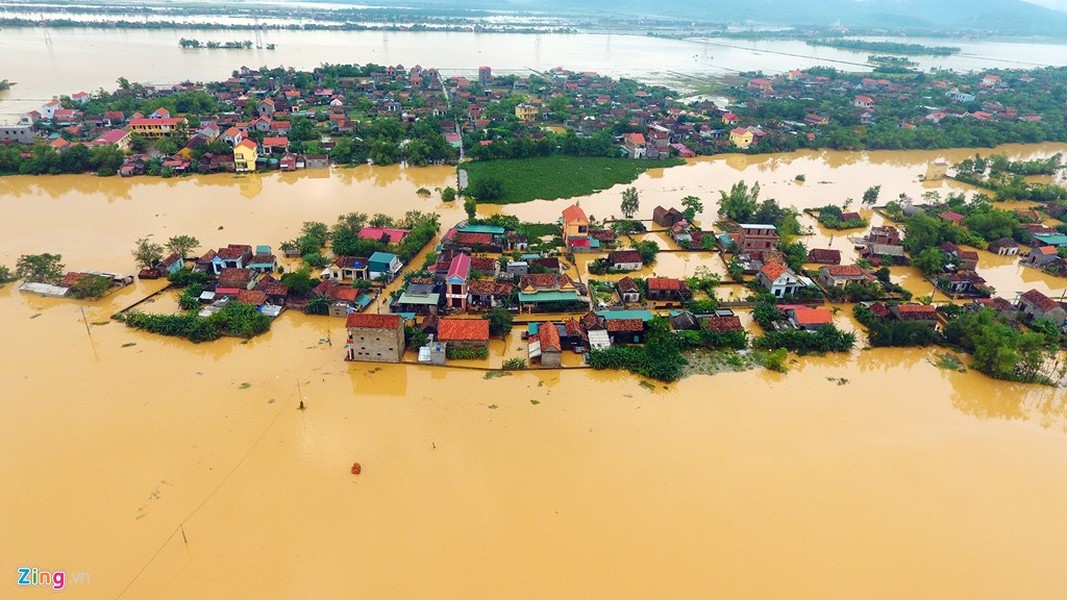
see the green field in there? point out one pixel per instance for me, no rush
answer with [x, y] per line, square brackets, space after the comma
[552, 177]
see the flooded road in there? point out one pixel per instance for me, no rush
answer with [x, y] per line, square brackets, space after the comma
[171, 470]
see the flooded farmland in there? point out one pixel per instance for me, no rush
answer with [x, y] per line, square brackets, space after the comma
[165, 469]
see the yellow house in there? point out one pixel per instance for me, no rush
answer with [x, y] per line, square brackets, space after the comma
[244, 156]
[575, 227]
[526, 112]
[741, 137]
[157, 126]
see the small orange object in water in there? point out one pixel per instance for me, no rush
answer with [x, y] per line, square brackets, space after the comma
[356, 468]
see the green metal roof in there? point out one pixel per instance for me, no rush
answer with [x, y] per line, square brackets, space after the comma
[644, 315]
[427, 299]
[491, 229]
[548, 297]
[1052, 239]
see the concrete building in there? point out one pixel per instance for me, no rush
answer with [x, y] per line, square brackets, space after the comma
[20, 134]
[375, 338]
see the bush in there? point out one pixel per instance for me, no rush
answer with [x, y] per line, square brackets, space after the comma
[452, 353]
[90, 287]
[881, 332]
[827, 338]
[660, 358]
[186, 277]
[514, 364]
[236, 318]
[190, 297]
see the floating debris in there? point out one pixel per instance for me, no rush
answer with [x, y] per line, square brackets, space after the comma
[356, 468]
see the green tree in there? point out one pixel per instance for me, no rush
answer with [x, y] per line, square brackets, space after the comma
[631, 202]
[147, 253]
[40, 268]
[448, 194]
[648, 250]
[319, 305]
[182, 245]
[6, 276]
[486, 189]
[870, 196]
[930, 261]
[470, 206]
[300, 281]
[499, 322]
[741, 203]
[692, 205]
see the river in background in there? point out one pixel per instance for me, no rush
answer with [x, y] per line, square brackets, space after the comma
[47, 62]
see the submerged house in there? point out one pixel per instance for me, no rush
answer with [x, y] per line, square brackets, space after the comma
[375, 338]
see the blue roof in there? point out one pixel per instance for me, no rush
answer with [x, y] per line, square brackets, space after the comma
[491, 229]
[364, 300]
[530, 256]
[644, 315]
[532, 328]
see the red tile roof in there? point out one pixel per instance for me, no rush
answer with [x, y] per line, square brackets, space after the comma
[463, 330]
[917, 312]
[483, 263]
[376, 233]
[253, 297]
[731, 323]
[549, 337]
[823, 255]
[1039, 300]
[574, 213]
[231, 275]
[624, 256]
[812, 316]
[846, 271]
[773, 271]
[234, 251]
[473, 239]
[664, 284]
[625, 325]
[336, 292]
[71, 278]
[373, 321]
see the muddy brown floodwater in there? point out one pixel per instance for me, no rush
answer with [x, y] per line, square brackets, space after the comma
[870, 475]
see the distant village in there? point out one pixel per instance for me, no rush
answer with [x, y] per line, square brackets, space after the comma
[261, 119]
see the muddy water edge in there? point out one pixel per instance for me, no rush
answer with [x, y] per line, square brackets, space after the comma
[873, 475]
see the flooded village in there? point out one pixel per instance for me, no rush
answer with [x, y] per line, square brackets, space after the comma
[209, 350]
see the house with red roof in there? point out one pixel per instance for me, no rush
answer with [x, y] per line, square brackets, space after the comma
[915, 313]
[375, 338]
[275, 145]
[863, 102]
[459, 271]
[394, 235]
[576, 229]
[803, 317]
[634, 144]
[1040, 256]
[668, 289]
[779, 280]
[824, 256]
[839, 276]
[463, 333]
[118, 138]
[546, 345]
[1034, 305]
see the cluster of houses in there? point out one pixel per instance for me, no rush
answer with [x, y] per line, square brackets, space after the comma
[237, 272]
[959, 96]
